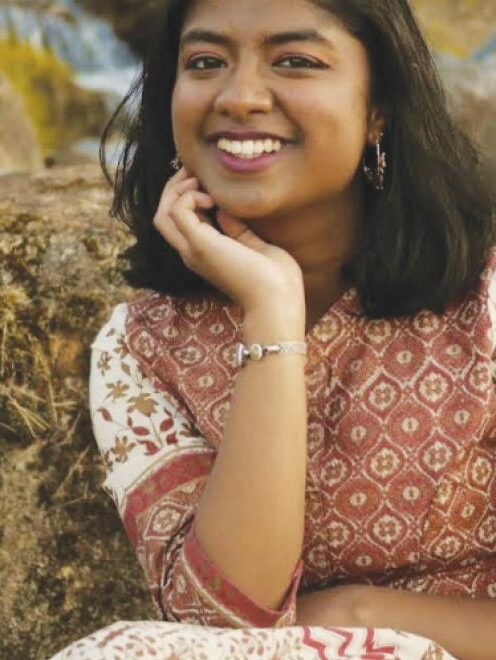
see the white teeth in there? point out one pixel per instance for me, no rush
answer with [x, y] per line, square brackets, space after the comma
[249, 148]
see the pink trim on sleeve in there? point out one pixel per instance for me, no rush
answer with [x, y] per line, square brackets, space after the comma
[221, 589]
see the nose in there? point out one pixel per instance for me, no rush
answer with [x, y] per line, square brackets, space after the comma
[244, 91]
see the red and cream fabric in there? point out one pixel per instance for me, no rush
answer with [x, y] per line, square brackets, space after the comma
[401, 466]
[155, 640]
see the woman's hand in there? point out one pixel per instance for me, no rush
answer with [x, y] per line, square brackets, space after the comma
[335, 606]
[239, 263]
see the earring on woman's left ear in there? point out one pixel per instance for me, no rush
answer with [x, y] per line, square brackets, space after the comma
[376, 177]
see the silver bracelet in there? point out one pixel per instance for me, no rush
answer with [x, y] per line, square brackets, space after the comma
[257, 351]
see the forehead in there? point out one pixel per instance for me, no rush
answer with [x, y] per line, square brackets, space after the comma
[249, 16]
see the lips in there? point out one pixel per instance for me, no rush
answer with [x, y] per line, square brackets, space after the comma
[248, 165]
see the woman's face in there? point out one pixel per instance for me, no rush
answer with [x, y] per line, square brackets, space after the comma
[249, 74]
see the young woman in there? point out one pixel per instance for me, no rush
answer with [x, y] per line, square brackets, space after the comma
[297, 415]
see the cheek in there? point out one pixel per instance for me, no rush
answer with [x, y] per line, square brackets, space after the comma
[336, 128]
[186, 106]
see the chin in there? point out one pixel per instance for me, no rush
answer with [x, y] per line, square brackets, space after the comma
[246, 205]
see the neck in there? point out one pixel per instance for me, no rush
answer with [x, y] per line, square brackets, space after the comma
[321, 239]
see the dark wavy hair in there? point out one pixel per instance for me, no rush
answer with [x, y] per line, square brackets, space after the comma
[424, 240]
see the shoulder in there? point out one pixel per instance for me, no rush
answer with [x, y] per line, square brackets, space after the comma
[156, 321]
[152, 307]
[166, 334]
[486, 291]
[112, 330]
[145, 310]
[489, 271]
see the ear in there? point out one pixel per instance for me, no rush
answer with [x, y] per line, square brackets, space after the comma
[376, 124]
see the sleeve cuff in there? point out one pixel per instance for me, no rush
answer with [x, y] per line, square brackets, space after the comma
[228, 597]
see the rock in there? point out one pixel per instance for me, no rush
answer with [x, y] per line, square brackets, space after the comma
[456, 27]
[19, 150]
[472, 93]
[67, 568]
[60, 111]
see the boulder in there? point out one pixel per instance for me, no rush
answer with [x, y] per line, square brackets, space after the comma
[67, 568]
[457, 27]
[472, 95]
[19, 149]
[60, 111]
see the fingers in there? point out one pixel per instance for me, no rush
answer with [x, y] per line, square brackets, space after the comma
[174, 187]
[239, 230]
[172, 192]
[193, 225]
[178, 217]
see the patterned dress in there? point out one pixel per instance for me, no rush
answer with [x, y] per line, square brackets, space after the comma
[401, 469]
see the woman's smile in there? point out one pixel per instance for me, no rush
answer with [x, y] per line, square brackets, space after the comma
[249, 156]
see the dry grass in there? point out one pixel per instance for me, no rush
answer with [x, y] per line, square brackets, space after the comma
[66, 567]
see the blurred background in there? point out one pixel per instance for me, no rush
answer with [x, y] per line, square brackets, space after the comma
[66, 63]
[65, 565]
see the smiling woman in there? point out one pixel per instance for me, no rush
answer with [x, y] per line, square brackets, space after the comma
[433, 221]
[293, 85]
[303, 431]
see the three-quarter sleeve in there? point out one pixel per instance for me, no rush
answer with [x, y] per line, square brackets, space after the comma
[157, 465]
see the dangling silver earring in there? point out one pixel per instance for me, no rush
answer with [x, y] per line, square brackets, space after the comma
[376, 177]
[176, 163]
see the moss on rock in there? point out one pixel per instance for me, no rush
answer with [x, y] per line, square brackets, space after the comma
[59, 109]
[66, 565]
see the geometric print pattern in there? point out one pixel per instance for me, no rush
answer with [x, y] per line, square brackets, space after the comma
[401, 469]
[401, 462]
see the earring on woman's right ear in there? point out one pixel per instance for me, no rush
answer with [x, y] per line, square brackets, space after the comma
[176, 163]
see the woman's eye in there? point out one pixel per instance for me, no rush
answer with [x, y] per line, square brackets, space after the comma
[208, 62]
[202, 63]
[301, 62]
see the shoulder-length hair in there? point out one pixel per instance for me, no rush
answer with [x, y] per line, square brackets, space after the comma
[423, 241]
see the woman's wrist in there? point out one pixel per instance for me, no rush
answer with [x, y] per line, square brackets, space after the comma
[275, 323]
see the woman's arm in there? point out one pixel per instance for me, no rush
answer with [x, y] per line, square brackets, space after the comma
[250, 519]
[463, 626]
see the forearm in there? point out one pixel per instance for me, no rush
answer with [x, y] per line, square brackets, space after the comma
[463, 626]
[250, 519]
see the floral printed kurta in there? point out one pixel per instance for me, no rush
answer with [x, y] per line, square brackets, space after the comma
[401, 465]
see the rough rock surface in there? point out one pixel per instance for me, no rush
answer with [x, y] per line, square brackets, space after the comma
[473, 101]
[456, 26]
[19, 150]
[66, 567]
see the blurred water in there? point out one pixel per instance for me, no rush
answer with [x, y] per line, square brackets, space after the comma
[101, 61]
[486, 50]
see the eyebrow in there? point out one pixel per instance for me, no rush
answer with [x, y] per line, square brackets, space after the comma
[277, 39]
